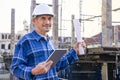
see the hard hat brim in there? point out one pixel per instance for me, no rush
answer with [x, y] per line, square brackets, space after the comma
[35, 16]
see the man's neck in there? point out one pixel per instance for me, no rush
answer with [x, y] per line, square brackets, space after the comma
[41, 33]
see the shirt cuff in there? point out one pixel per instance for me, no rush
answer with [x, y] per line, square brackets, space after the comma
[28, 74]
[74, 54]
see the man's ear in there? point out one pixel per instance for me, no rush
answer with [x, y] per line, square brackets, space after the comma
[33, 20]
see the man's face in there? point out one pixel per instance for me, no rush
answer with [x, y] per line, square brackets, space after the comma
[43, 24]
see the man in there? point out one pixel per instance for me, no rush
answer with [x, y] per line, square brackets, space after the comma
[33, 49]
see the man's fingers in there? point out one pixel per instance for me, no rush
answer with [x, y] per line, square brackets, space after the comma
[83, 44]
[48, 64]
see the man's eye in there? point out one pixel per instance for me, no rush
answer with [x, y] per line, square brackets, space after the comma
[43, 18]
[49, 18]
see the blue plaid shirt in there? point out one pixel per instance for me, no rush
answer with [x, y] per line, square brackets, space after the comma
[33, 49]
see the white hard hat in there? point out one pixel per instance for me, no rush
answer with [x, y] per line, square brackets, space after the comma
[42, 9]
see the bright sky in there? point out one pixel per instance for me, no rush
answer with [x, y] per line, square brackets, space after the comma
[21, 12]
[69, 7]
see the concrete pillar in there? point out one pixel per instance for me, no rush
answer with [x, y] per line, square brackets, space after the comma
[105, 71]
[33, 4]
[115, 42]
[106, 23]
[72, 32]
[12, 46]
[55, 24]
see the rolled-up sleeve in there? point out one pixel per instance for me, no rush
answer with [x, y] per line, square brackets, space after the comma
[68, 58]
[19, 66]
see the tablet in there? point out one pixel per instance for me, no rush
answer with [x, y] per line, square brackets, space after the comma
[56, 55]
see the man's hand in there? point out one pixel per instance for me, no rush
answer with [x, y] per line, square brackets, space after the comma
[76, 46]
[41, 68]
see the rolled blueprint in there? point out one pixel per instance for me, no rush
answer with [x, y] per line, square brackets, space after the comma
[78, 35]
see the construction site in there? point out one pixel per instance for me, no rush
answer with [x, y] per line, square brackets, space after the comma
[100, 60]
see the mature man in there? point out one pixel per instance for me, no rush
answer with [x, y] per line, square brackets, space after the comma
[33, 49]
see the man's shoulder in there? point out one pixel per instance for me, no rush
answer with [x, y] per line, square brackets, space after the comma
[26, 37]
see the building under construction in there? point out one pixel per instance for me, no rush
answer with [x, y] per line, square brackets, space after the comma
[100, 62]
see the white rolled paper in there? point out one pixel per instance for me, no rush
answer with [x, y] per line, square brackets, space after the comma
[78, 35]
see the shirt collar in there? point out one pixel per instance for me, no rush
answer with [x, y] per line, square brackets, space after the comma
[38, 36]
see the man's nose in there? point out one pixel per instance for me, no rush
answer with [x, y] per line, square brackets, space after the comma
[48, 21]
